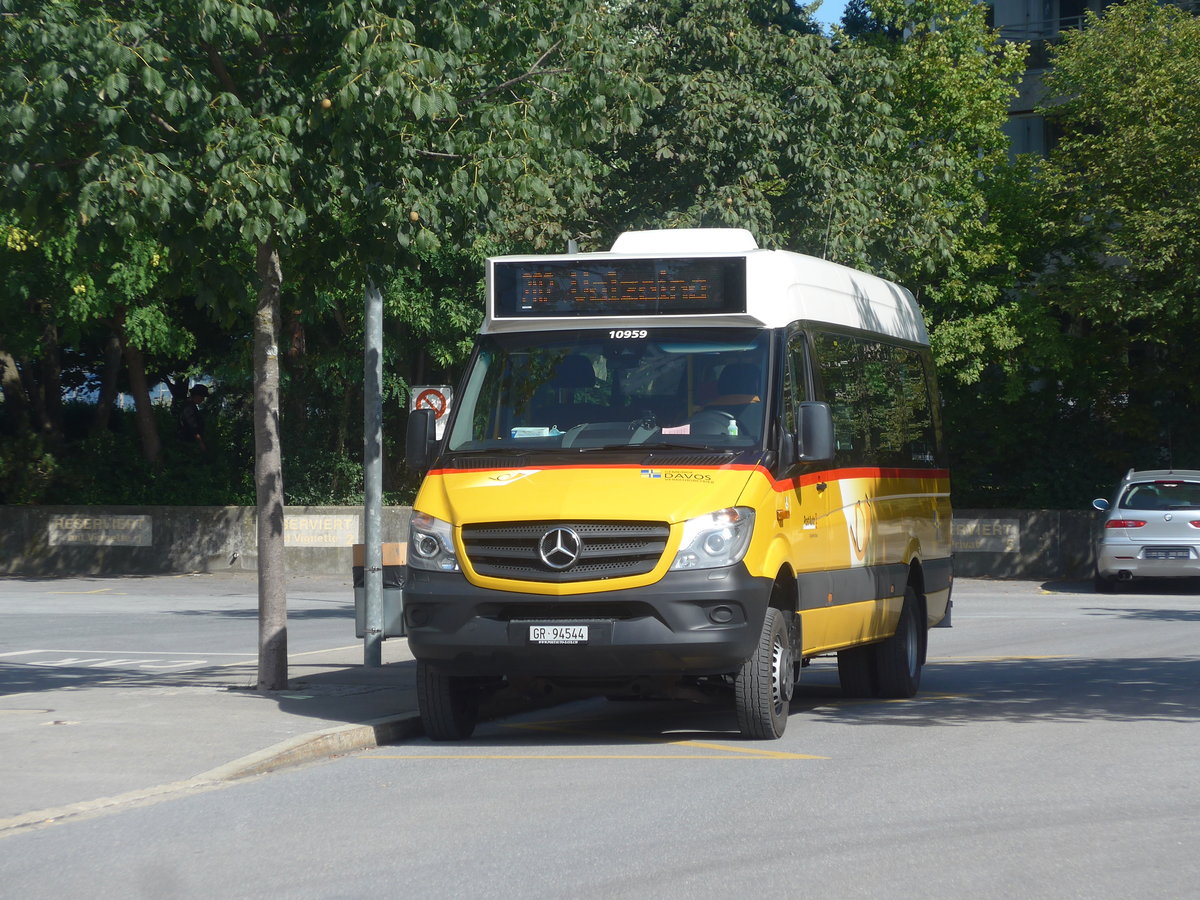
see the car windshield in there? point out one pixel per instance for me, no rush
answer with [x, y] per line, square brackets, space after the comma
[613, 389]
[1162, 495]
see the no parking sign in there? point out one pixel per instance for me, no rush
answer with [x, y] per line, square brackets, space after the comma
[437, 397]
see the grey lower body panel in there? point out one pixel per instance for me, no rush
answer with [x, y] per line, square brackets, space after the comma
[688, 623]
[870, 583]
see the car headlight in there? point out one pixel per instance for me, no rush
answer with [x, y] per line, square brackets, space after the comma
[716, 539]
[431, 544]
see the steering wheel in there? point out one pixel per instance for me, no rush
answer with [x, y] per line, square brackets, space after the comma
[713, 421]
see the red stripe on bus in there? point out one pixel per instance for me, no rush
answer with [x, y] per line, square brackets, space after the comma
[785, 484]
[811, 478]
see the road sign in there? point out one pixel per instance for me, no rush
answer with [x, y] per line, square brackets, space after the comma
[437, 397]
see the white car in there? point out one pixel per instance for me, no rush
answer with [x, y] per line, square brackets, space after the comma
[1152, 528]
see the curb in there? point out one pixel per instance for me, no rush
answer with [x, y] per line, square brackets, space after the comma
[297, 751]
[319, 745]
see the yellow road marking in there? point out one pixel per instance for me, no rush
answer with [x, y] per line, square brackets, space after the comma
[571, 727]
[747, 751]
[516, 756]
[997, 658]
[921, 697]
[98, 591]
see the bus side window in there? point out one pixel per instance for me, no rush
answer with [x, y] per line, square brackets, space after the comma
[902, 416]
[794, 390]
[842, 377]
[882, 408]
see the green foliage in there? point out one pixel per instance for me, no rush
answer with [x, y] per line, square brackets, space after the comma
[1126, 173]
[95, 469]
[27, 469]
[148, 150]
[342, 134]
[868, 152]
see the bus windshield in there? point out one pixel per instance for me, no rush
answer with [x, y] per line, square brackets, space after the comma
[616, 388]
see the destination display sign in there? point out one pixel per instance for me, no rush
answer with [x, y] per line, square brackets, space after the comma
[621, 287]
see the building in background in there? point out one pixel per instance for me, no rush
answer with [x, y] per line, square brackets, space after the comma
[1041, 23]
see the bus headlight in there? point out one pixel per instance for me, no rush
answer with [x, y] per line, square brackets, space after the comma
[716, 539]
[431, 544]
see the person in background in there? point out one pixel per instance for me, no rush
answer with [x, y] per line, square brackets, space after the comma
[191, 417]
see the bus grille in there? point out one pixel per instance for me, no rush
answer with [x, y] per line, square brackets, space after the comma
[606, 550]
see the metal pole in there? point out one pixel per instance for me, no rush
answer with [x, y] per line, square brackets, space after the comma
[373, 477]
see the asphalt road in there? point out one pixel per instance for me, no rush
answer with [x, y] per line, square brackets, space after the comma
[157, 615]
[1051, 753]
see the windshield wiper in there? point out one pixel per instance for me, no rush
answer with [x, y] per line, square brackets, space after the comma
[492, 451]
[659, 445]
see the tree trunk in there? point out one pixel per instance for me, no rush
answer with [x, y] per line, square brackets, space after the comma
[28, 372]
[177, 385]
[14, 392]
[49, 403]
[108, 385]
[147, 428]
[268, 476]
[339, 439]
[297, 360]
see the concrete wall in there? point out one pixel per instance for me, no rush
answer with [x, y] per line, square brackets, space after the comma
[1009, 543]
[118, 540]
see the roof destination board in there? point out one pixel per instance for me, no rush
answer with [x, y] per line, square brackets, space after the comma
[619, 287]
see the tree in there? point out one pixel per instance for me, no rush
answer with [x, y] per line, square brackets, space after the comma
[1125, 174]
[62, 293]
[869, 152]
[271, 131]
[1123, 274]
[953, 82]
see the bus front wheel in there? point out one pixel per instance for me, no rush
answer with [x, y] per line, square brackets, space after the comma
[763, 686]
[449, 705]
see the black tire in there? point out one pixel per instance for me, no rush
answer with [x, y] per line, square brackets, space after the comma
[763, 687]
[898, 659]
[1103, 584]
[856, 672]
[449, 705]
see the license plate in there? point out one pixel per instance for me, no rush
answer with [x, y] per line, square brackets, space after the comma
[1167, 553]
[558, 634]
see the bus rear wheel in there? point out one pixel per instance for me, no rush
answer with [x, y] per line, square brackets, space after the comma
[763, 686]
[449, 705]
[898, 659]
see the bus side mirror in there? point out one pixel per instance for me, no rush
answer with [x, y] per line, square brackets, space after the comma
[816, 432]
[420, 440]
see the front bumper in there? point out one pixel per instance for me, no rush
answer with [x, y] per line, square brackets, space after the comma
[689, 623]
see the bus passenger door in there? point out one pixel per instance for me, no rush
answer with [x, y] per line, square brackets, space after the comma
[803, 503]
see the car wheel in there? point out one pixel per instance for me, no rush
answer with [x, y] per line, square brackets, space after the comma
[763, 687]
[1104, 584]
[449, 705]
[898, 659]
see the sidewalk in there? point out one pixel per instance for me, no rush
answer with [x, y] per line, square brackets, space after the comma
[76, 737]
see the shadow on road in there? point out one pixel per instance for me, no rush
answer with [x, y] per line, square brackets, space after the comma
[1144, 587]
[1061, 690]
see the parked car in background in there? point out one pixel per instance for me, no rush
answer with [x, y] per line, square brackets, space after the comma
[1152, 528]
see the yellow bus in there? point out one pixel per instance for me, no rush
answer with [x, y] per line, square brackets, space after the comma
[682, 468]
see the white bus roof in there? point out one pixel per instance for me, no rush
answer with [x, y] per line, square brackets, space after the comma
[781, 287]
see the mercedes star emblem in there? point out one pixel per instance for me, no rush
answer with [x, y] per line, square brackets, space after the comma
[559, 548]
